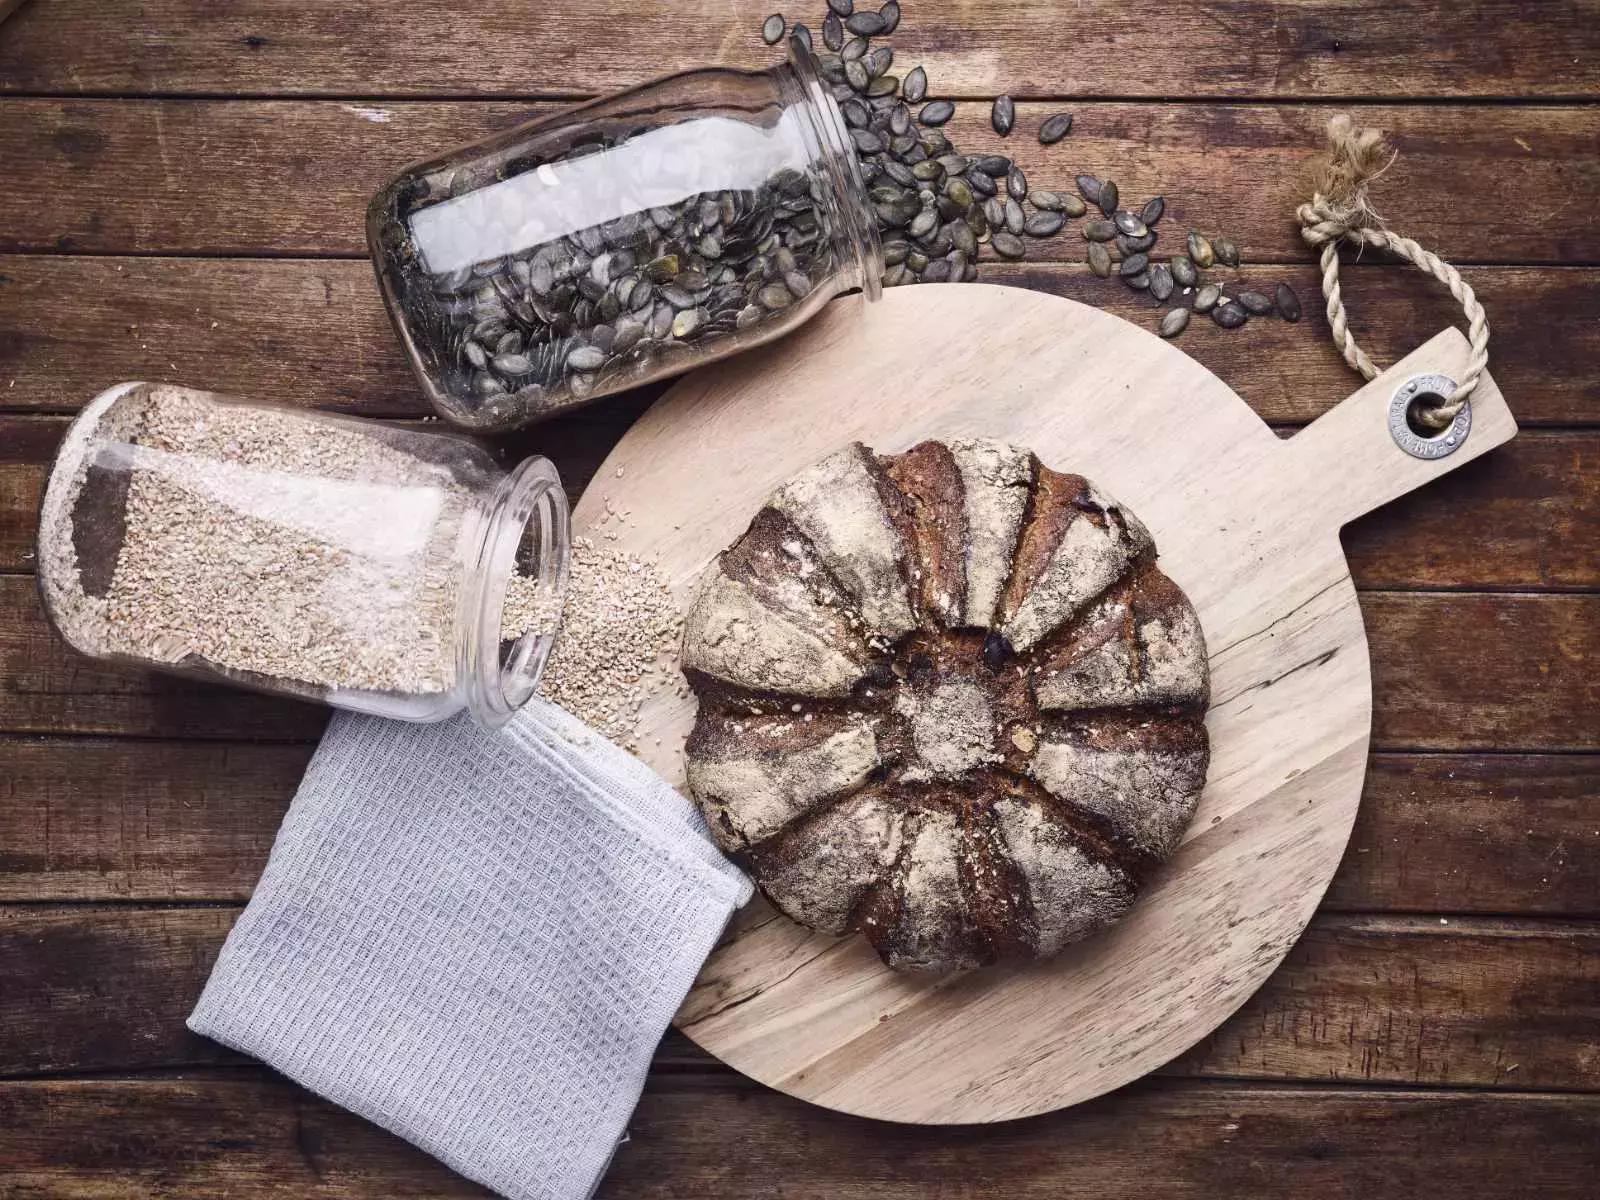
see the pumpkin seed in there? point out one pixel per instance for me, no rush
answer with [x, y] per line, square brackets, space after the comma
[1175, 321]
[1007, 244]
[772, 29]
[1288, 303]
[1097, 230]
[866, 141]
[1089, 188]
[899, 120]
[1161, 282]
[1054, 128]
[1183, 270]
[936, 113]
[842, 7]
[1099, 259]
[1043, 224]
[585, 358]
[865, 24]
[1046, 201]
[513, 364]
[1229, 315]
[995, 165]
[856, 114]
[853, 49]
[1134, 265]
[1017, 184]
[1200, 250]
[929, 169]
[915, 86]
[1126, 222]
[773, 296]
[1015, 221]
[832, 31]
[1108, 197]
[1152, 210]
[801, 38]
[981, 184]
[959, 191]
[1207, 298]
[1003, 115]
[1139, 281]
[1135, 245]
[890, 13]
[855, 74]
[1227, 251]
[1256, 304]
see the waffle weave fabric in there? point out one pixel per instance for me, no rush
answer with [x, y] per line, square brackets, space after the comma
[475, 940]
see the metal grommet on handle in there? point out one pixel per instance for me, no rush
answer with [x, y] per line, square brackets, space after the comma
[1411, 435]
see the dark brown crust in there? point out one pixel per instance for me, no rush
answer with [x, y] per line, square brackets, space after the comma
[1057, 501]
[933, 523]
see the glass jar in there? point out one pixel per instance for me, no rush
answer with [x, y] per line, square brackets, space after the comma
[623, 240]
[393, 571]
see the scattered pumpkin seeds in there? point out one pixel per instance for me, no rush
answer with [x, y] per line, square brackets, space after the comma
[936, 113]
[1256, 304]
[1229, 314]
[772, 29]
[1174, 322]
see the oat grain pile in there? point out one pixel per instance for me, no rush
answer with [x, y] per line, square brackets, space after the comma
[618, 640]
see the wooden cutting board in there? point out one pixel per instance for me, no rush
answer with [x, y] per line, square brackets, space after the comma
[1247, 523]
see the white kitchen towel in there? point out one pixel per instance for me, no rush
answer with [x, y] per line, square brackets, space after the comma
[476, 940]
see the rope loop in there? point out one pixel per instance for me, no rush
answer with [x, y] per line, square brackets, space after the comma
[1340, 211]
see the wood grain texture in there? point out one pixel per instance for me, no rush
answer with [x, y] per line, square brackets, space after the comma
[117, 819]
[314, 332]
[569, 47]
[1366, 999]
[714, 1138]
[1246, 524]
[294, 177]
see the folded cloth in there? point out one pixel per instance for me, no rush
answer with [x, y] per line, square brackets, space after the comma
[476, 940]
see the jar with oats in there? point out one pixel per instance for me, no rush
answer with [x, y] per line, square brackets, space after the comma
[623, 240]
[373, 567]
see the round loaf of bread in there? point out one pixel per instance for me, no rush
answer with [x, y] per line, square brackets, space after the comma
[946, 700]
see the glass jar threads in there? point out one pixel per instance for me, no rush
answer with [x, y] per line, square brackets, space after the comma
[388, 570]
[622, 241]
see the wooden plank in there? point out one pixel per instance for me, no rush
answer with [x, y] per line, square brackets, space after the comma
[1456, 833]
[1527, 516]
[1360, 998]
[1478, 671]
[100, 820]
[251, 1133]
[104, 819]
[140, 820]
[285, 177]
[314, 332]
[1462, 671]
[1096, 47]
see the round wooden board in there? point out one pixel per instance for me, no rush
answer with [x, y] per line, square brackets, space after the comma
[1245, 522]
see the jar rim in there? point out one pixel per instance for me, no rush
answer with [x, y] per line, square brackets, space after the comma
[527, 509]
[843, 168]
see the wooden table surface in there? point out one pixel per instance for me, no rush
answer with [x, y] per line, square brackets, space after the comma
[181, 195]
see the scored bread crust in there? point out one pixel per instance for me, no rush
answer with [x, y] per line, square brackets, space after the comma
[947, 701]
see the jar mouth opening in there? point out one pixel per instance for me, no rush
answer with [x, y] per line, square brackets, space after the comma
[844, 169]
[521, 569]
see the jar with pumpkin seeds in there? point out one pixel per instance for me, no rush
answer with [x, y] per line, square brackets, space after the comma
[623, 240]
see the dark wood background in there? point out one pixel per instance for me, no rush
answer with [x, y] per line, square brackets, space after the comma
[181, 191]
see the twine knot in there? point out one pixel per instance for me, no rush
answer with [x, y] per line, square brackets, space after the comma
[1340, 211]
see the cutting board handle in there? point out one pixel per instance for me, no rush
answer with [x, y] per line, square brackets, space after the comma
[1348, 462]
